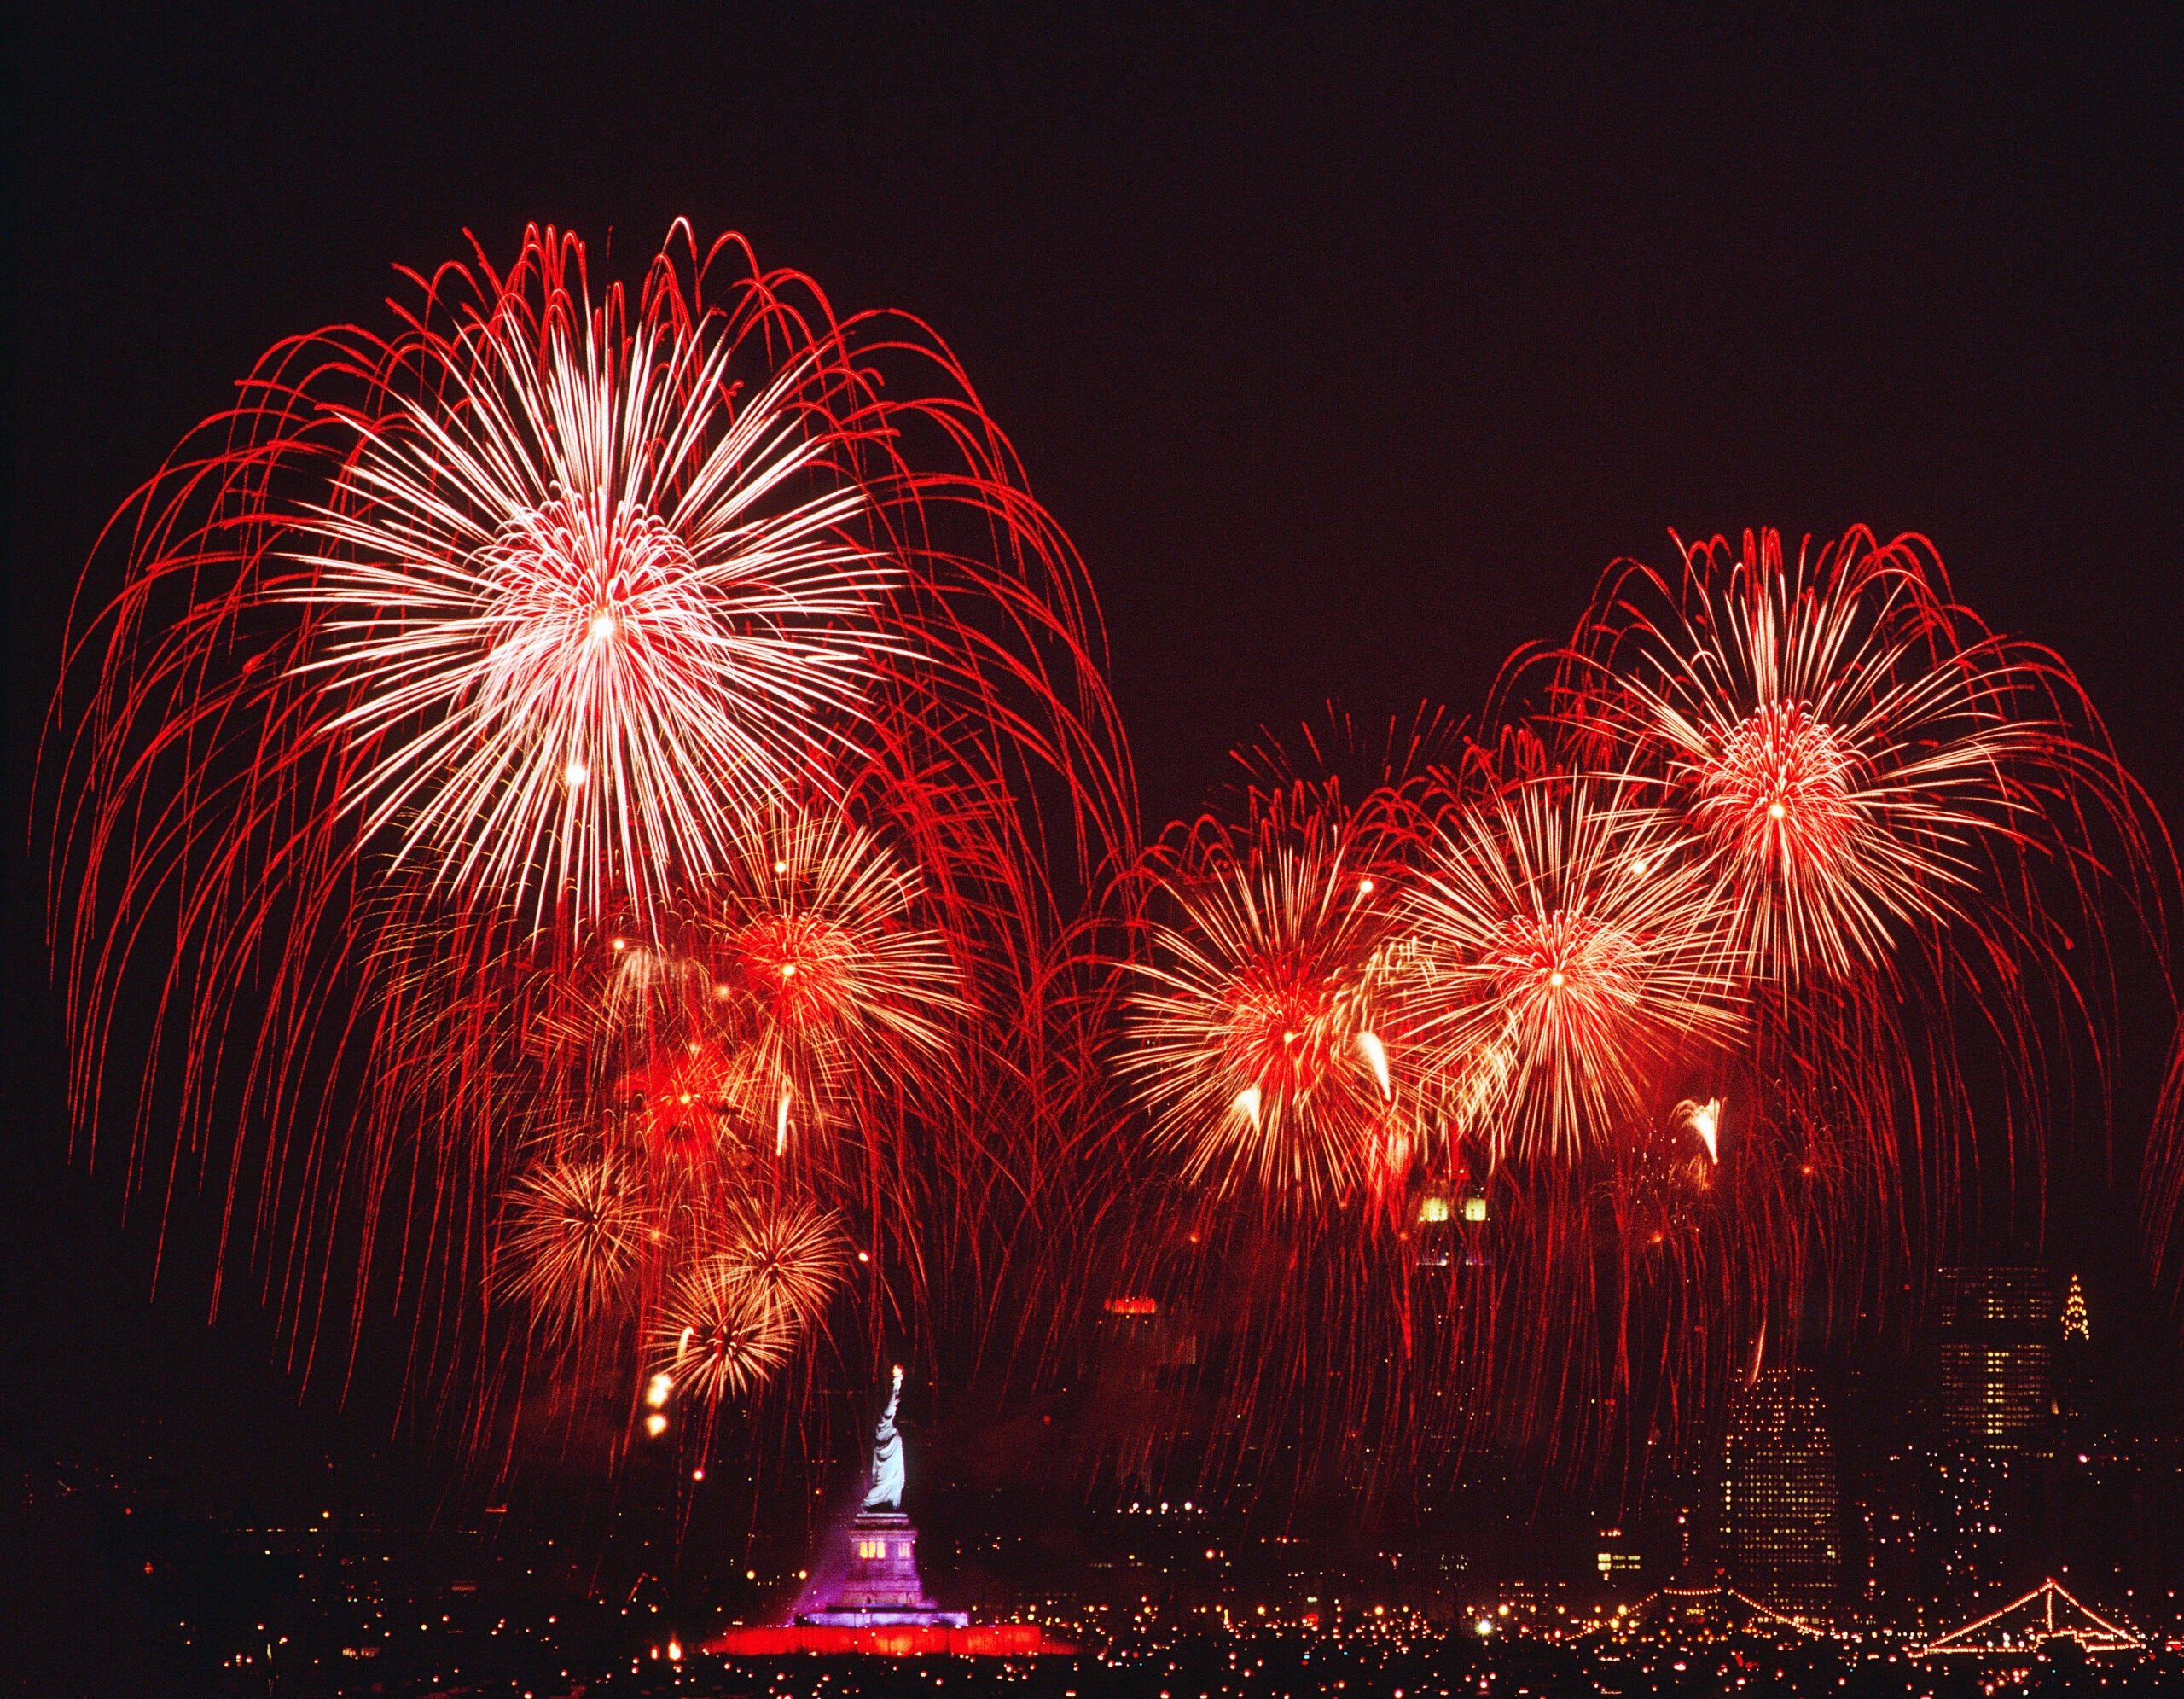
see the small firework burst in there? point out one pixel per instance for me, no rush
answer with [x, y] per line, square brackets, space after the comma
[814, 928]
[796, 989]
[1705, 1120]
[718, 1335]
[791, 1255]
[682, 1096]
[574, 1235]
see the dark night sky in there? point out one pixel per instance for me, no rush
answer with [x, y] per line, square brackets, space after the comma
[1348, 352]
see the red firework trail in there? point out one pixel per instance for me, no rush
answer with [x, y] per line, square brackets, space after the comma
[597, 766]
[700, 619]
[1677, 991]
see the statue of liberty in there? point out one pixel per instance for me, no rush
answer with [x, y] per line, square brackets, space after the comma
[886, 1490]
[881, 1588]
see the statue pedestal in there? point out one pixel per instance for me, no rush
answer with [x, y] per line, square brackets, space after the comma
[881, 1588]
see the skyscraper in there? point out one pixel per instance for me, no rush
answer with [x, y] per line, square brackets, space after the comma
[1995, 1336]
[2073, 1366]
[1778, 1496]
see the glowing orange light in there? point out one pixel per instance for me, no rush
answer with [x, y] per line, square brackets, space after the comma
[1706, 1122]
[1376, 1055]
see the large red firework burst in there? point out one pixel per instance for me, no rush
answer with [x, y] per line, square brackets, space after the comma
[586, 594]
[1920, 831]
[694, 618]
[1861, 758]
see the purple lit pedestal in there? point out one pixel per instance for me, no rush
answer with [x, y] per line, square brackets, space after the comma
[882, 1588]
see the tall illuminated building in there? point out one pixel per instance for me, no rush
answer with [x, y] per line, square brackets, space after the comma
[1779, 1538]
[1994, 1335]
[2074, 1364]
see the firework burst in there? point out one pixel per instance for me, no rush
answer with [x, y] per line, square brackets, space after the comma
[791, 1256]
[691, 617]
[816, 930]
[1253, 1037]
[718, 1335]
[581, 598]
[574, 1235]
[1856, 753]
[1558, 950]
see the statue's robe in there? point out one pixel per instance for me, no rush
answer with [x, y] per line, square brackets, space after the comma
[887, 1491]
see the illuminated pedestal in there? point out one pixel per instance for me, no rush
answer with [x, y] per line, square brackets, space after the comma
[882, 1588]
[880, 1610]
[899, 1640]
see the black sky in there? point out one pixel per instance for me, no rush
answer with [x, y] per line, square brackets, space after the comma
[1348, 351]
